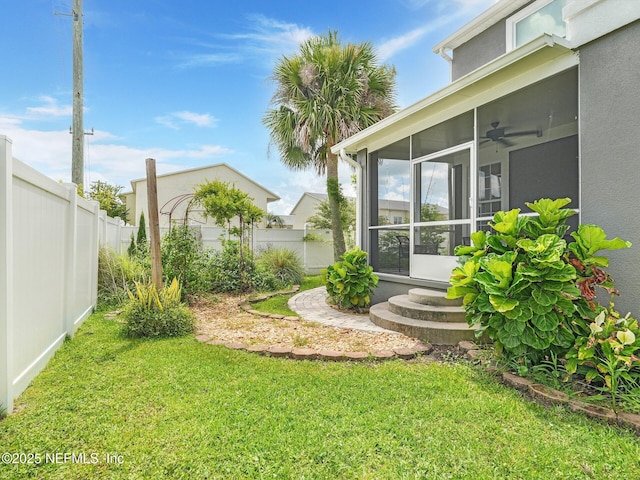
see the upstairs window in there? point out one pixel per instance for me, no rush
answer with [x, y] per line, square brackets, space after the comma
[543, 16]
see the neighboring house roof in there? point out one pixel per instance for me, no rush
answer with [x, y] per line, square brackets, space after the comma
[319, 197]
[271, 197]
[400, 205]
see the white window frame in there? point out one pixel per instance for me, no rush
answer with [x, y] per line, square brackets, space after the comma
[521, 15]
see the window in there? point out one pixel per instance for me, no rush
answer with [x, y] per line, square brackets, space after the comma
[397, 220]
[489, 189]
[543, 16]
[391, 182]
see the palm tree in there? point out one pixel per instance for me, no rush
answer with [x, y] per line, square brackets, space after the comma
[324, 94]
[273, 221]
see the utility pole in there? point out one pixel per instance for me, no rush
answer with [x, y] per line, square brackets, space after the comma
[77, 131]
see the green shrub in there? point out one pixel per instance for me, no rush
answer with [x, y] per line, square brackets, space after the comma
[116, 275]
[132, 249]
[233, 270]
[183, 258]
[609, 356]
[284, 264]
[141, 239]
[150, 313]
[351, 281]
[530, 291]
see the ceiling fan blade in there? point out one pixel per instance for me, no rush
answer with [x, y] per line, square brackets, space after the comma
[523, 133]
[506, 143]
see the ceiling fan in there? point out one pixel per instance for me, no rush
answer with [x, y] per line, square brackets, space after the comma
[498, 134]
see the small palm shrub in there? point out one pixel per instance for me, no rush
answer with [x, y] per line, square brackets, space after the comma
[116, 275]
[351, 281]
[153, 313]
[284, 264]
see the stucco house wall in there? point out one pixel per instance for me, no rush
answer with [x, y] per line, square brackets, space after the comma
[305, 208]
[483, 48]
[308, 204]
[173, 185]
[610, 149]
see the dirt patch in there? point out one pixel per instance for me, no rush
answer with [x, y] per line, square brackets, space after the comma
[222, 318]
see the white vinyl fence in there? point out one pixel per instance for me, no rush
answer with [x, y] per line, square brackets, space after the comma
[48, 268]
[315, 254]
[49, 240]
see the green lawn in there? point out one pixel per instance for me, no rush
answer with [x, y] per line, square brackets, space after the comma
[181, 409]
[278, 304]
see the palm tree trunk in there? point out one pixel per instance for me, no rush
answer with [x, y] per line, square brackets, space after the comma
[333, 192]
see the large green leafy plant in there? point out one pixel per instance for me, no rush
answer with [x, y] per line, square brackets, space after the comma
[351, 280]
[528, 289]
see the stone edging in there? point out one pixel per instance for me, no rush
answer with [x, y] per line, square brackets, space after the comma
[548, 396]
[296, 353]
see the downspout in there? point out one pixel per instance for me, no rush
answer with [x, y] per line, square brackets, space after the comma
[443, 53]
[346, 158]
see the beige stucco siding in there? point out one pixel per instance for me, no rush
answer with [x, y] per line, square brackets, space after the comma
[172, 186]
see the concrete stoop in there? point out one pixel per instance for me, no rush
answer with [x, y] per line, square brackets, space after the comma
[424, 314]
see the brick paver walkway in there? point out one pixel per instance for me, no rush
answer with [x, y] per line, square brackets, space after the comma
[312, 305]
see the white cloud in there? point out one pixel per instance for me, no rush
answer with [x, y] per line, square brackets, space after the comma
[394, 196]
[394, 45]
[177, 119]
[49, 109]
[273, 36]
[210, 59]
[448, 13]
[50, 153]
[264, 40]
[297, 183]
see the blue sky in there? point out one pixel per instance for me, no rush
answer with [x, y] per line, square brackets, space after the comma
[188, 82]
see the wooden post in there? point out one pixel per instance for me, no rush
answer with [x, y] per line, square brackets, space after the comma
[154, 224]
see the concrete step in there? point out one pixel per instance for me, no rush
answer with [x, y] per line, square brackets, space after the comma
[439, 333]
[403, 306]
[427, 296]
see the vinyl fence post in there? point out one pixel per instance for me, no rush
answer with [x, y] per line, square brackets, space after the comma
[6, 274]
[71, 254]
[96, 248]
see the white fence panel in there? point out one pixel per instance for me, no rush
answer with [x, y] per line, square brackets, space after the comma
[315, 254]
[38, 273]
[48, 281]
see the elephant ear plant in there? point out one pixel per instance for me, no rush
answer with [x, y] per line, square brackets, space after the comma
[351, 281]
[524, 286]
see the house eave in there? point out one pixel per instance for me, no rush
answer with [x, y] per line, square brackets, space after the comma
[543, 49]
[486, 19]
